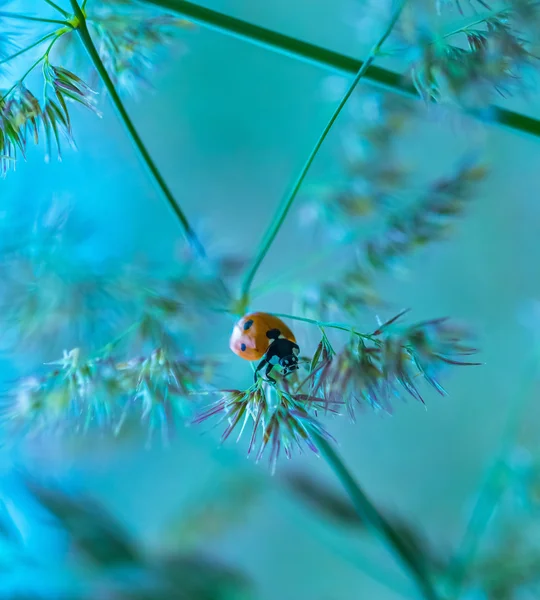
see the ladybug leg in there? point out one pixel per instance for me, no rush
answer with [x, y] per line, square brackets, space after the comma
[268, 370]
[263, 362]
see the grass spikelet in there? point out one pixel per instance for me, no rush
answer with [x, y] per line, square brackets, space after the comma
[22, 115]
[66, 87]
[131, 37]
[424, 221]
[75, 396]
[158, 389]
[372, 172]
[278, 420]
[373, 369]
[472, 63]
[100, 393]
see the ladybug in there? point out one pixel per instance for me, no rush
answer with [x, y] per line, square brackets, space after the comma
[260, 336]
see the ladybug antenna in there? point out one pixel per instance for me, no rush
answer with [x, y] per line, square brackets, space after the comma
[273, 334]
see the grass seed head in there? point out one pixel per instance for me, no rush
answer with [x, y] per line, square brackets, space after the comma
[278, 421]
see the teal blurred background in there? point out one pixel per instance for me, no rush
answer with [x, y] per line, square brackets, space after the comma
[230, 125]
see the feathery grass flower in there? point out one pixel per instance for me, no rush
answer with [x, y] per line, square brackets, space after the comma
[372, 369]
[49, 299]
[66, 87]
[75, 396]
[19, 114]
[101, 393]
[424, 221]
[52, 298]
[159, 388]
[130, 38]
[428, 220]
[372, 172]
[319, 371]
[278, 419]
[494, 57]
[22, 115]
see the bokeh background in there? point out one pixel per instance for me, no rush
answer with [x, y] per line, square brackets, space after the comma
[230, 124]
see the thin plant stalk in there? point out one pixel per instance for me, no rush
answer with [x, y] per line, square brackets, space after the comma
[88, 44]
[32, 67]
[28, 48]
[477, 21]
[57, 8]
[369, 515]
[22, 17]
[323, 324]
[454, 30]
[283, 210]
[328, 59]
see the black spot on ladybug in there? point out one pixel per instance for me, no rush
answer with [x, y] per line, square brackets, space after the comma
[243, 347]
[273, 334]
[248, 324]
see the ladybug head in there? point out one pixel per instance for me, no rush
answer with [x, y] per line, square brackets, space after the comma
[289, 363]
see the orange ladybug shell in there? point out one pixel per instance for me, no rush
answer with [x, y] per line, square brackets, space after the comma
[249, 339]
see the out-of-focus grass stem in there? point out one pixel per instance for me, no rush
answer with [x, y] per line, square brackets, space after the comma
[289, 199]
[374, 521]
